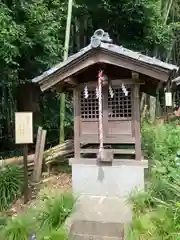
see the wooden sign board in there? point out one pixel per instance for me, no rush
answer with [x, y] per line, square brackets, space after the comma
[168, 99]
[23, 127]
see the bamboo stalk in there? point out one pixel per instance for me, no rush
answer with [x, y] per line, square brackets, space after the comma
[66, 49]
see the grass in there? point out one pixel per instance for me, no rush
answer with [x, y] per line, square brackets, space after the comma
[45, 220]
[55, 210]
[156, 212]
[11, 182]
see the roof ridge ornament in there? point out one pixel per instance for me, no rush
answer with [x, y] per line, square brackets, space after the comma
[100, 36]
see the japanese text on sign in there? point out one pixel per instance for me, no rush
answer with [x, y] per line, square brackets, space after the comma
[23, 128]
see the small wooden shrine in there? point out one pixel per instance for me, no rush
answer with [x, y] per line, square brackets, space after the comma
[120, 118]
[106, 80]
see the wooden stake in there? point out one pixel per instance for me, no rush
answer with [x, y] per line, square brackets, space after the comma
[36, 155]
[39, 160]
[142, 102]
[152, 108]
[143, 114]
[26, 188]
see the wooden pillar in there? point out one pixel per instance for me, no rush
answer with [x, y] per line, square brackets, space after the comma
[136, 119]
[76, 124]
[133, 111]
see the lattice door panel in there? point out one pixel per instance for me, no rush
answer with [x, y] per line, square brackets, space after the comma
[89, 106]
[120, 106]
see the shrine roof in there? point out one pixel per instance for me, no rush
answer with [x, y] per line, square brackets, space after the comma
[176, 81]
[107, 47]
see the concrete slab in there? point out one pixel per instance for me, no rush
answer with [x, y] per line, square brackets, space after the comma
[103, 209]
[109, 181]
[97, 228]
[93, 237]
[96, 217]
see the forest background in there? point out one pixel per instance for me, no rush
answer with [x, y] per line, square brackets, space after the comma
[32, 36]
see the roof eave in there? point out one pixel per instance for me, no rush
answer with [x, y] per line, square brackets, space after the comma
[86, 52]
[58, 67]
[176, 80]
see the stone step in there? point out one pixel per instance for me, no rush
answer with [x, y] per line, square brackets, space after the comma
[93, 237]
[102, 209]
[99, 217]
[97, 228]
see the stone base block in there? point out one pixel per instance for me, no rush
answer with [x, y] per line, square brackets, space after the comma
[110, 181]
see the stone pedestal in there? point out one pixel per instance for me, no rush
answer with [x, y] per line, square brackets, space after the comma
[102, 193]
[117, 180]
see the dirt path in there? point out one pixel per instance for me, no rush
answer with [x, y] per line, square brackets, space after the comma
[61, 181]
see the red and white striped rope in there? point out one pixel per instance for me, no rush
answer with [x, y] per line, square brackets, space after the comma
[100, 78]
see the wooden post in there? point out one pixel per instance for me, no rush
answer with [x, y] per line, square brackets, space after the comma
[158, 106]
[137, 123]
[143, 114]
[142, 102]
[39, 160]
[152, 110]
[76, 125]
[36, 155]
[136, 115]
[26, 188]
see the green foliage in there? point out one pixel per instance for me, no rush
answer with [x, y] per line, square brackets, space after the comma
[18, 228]
[59, 234]
[55, 210]
[11, 178]
[135, 24]
[160, 145]
[162, 219]
[10, 33]
[31, 40]
[46, 221]
[157, 211]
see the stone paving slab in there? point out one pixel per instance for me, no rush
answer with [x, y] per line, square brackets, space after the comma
[99, 218]
[97, 228]
[94, 237]
[103, 209]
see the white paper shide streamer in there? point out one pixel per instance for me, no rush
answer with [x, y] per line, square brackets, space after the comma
[111, 93]
[124, 90]
[97, 93]
[86, 94]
